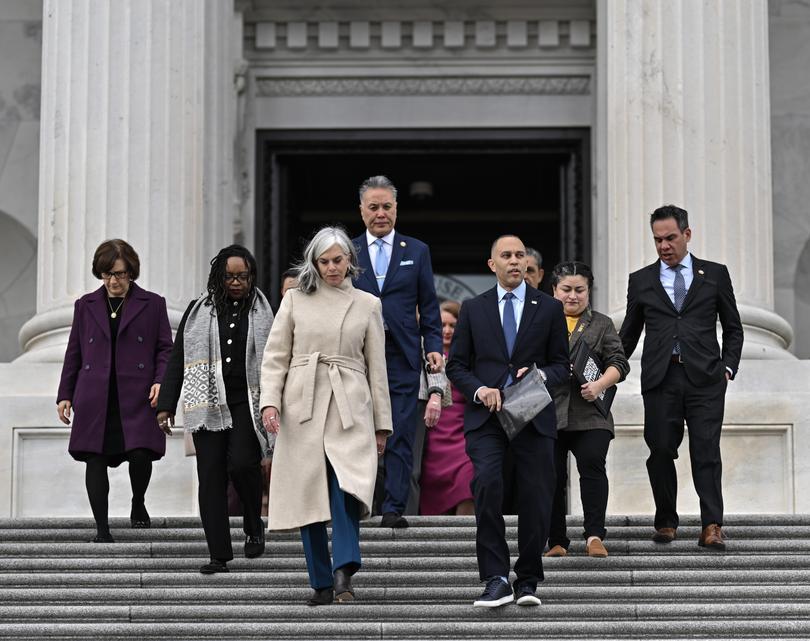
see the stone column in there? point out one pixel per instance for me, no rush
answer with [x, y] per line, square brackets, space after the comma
[137, 143]
[684, 118]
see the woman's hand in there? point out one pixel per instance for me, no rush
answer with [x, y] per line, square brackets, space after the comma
[435, 361]
[63, 409]
[153, 395]
[165, 421]
[381, 438]
[433, 410]
[591, 391]
[270, 419]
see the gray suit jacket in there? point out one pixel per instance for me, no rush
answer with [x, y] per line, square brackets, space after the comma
[574, 412]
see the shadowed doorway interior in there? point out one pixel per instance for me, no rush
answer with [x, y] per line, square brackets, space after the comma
[458, 191]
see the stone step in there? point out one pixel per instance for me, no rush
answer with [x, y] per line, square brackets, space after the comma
[368, 593]
[501, 626]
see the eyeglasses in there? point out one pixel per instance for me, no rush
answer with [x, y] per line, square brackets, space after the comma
[122, 275]
[242, 278]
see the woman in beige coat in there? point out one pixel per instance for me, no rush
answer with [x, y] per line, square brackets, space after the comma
[325, 395]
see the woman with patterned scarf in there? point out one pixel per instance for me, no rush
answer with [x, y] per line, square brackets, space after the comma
[215, 364]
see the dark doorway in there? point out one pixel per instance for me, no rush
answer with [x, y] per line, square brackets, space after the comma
[458, 190]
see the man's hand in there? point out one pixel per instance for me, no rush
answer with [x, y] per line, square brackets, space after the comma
[166, 421]
[491, 397]
[270, 419]
[436, 361]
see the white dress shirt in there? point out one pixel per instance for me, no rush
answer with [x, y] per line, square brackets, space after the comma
[373, 250]
[667, 276]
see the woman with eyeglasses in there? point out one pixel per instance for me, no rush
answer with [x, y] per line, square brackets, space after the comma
[119, 344]
[581, 428]
[215, 367]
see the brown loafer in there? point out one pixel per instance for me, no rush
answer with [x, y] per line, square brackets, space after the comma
[596, 549]
[712, 538]
[664, 535]
[557, 550]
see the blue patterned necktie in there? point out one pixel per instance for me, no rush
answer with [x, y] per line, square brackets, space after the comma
[679, 290]
[381, 263]
[509, 326]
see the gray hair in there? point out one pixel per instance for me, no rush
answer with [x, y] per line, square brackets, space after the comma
[377, 182]
[533, 253]
[322, 241]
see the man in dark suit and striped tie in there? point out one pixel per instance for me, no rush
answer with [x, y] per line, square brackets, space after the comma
[678, 300]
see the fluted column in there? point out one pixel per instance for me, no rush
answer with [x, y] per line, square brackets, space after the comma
[685, 119]
[137, 143]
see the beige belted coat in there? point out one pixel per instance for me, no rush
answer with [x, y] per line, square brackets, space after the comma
[324, 369]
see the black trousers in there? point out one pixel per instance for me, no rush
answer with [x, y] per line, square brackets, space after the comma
[534, 470]
[590, 451]
[233, 453]
[666, 407]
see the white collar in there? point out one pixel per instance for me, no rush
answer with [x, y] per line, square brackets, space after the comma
[686, 262]
[388, 239]
[519, 291]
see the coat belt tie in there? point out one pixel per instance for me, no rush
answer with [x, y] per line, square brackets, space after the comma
[334, 364]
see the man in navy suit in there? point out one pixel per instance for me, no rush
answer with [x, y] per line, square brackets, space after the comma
[397, 268]
[499, 334]
[677, 302]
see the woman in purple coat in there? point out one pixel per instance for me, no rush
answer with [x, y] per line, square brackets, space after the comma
[117, 352]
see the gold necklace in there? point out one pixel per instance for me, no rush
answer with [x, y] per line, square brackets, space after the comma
[114, 312]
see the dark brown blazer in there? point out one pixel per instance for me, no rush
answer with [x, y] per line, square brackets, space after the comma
[574, 412]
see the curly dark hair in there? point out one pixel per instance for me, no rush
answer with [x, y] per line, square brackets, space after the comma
[217, 294]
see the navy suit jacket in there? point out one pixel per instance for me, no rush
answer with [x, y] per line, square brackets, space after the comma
[478, 355]
[408, 286]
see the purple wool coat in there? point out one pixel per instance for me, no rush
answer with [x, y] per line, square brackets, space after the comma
[143, 347]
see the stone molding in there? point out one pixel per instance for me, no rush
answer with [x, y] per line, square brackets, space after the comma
[422, 35]
[424, 86]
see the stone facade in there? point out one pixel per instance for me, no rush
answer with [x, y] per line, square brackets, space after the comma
[697, 113]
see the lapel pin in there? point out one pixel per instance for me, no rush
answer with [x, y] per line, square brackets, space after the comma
[402, 243]
[700, 271]
[534, 302]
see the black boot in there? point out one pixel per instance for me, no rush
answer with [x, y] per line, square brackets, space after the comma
[214, 566]
[324, 596]
[343, 585]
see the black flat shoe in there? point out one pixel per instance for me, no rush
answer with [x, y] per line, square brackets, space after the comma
[343, 586]
[392, 519]
[254, 546]
[214, 566]
[321, 597]
[139, 518]
[103, 538]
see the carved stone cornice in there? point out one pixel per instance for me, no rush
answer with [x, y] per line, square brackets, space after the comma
[425, 86]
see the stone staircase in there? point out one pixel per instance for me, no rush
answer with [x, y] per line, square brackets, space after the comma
[417, 583]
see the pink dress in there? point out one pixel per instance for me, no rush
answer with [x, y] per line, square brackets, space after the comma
[446, 469]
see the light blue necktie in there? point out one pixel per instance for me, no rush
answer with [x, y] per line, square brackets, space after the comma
[679, 290]
[381, 263]
[509, 326]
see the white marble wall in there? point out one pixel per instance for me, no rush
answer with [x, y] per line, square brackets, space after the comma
[20, 61]
[789, 22]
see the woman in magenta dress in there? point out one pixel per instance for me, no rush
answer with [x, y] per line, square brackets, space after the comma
[446, 469]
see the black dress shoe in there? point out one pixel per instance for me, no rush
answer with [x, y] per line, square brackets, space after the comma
[103, 538]
[392, 519]
[343, 585]
[254, 546]
[321, 597]
[214, 566]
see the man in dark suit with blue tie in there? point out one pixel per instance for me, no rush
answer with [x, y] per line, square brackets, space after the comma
[684, 374]
[397, 268]
[499, 334]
